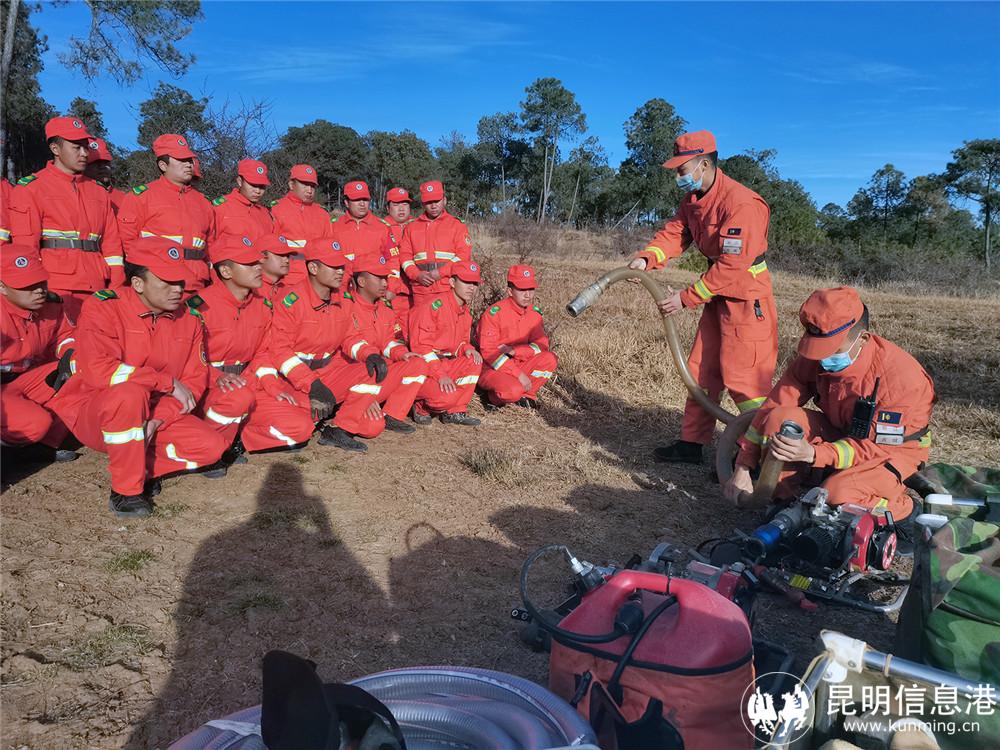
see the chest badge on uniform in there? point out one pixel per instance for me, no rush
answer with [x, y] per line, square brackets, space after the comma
[734, 231]
[890, 417]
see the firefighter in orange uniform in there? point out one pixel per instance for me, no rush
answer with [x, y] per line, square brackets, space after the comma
[99, 170]
[359, 232]
[514, 345]
[33, 334]
[245, 395]
[140, 372]
[171, 208]
[875, 400]
[373, 316]
[440, 331]
[736, 346]
[241, 213]
[398, 216]
[69, 218]
[431, 244]
[310, 327]
[275, 264]
[298, 218]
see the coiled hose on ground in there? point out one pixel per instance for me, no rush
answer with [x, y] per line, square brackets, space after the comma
[440, 707]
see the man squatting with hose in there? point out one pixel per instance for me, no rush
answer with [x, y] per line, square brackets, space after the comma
[736, 346]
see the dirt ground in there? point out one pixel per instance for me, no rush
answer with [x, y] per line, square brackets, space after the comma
[131, 634]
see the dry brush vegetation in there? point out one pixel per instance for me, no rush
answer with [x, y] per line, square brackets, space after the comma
[131, 634]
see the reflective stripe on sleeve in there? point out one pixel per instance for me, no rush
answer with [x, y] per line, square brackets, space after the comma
[114, 260]
[262, 371]
[751, 403]
[499, 361]
[758, 268]
[702, 290]
[290, 364]
[430, 357]
[845, 454]
[660, 255]
[357, 347]
[535, 348]
[122, 374]
[389, 347]
[753, 436]
[541, 374]
[369, 388]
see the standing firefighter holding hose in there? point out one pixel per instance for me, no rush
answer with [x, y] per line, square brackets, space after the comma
[736, 346]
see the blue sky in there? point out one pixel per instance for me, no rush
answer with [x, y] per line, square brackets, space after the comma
[838, 89]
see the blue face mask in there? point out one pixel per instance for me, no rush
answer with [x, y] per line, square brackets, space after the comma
[687, 183]
[836, 362]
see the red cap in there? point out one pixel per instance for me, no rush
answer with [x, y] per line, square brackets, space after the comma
[197, 168]
[690, 145]
[21, 266]
[98, 151]
[236, 248]
[431, 191]
[828, 316]
[304, 173]
[275, 243]
[371, 263]
[397, 195]
[173, 145]
[522, 277]
[355, 191]
[325, 251]
[467, 271]
[70, 128]
[165, 258]
[253, 171]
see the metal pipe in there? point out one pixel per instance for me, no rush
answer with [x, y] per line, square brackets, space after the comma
[590, 295]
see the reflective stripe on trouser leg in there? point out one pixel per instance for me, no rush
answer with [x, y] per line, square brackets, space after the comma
[272, 423]
[540, 369]
[465, 373]
[347, 381]
[184, 444]
[226, 411]
[401, 385]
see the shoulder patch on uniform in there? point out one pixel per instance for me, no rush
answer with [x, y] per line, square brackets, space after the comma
[290, 299]
[140, 189]
[382, 220]
[268, 303]
[495, 309]
[460, 219]
[106, 294]
[194, 311]
[219, 201]
[436, 304]
[388, 304]
[537, 309]
[26, 180]
[347, 295]
[53, 297]
[194, 301]
[273, 203]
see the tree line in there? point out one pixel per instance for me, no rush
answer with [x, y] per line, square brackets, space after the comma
[537, 161]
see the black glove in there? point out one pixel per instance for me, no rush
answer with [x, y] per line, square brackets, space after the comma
[377, 366]
[321, 400]
[58, 377]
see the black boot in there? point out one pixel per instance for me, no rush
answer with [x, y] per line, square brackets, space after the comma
[460, 418]
[340, 439]
[130, 506]
[152, 488]
[679, 452]
[398, 425]
[421, 418]
[527, 403]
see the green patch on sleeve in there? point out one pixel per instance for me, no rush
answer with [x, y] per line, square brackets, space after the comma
[219, 201]
[495, 309]
[105, 294]
[537, 309]
[140, 189]
[26, 180]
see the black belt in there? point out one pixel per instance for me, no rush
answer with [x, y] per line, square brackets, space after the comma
[87, 246]
[232, 369]
[429, 266]
[759, 259]
[445, 355]
[192, 254]
[316, 364]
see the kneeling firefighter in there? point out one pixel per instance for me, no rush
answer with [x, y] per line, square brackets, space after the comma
[875, 401]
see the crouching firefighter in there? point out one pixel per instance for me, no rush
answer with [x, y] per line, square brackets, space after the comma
[875, 400]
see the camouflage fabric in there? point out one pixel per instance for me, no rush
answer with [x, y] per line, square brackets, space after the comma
[957, 480]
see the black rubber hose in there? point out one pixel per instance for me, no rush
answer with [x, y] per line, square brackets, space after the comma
[542, 620]
[614, 689]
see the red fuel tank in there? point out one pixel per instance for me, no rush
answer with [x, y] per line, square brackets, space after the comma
[696, 659]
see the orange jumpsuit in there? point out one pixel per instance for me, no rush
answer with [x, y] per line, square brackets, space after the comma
[117, 197]
[868, 471]
[126, 362]
[238, 217]
[360, 238]
[5, 190]
[306, 335]
[383, 335]
[237, 340]
[403, 297]
[520, 328]
[30, 344]
[736, 346]
[440, 331]
[177, 212]
[433, 243]
[70, 219]
[298, 223]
